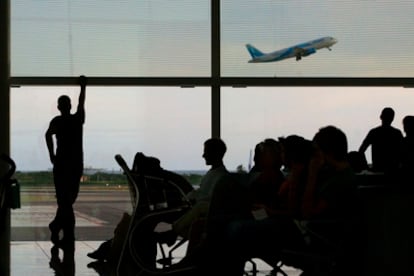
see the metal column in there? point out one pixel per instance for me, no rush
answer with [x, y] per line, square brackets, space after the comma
[4, 125]
[215, 69]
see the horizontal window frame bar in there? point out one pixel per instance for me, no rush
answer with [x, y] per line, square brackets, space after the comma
[208, 81]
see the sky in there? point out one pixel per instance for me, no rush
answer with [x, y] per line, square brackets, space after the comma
[172, 123]
[172, 38]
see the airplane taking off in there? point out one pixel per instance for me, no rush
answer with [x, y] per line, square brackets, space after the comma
[298, 51]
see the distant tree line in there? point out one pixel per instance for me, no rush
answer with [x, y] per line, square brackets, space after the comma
[45, 178]
[34, 178]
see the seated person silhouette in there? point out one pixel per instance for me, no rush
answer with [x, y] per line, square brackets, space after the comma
[214, 150]
[329, 194]
[267, 195]
[258, 149]
[296, 155]
[270, 189]
[265, 177]
[213, 153]
[233, 200]
[357, 161]
[248, 196]
[385, 142]
[149, 234]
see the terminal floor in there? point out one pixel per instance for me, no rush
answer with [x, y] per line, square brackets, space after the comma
[97, 213]
[34, 258]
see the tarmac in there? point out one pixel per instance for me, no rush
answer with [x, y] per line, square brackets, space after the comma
[97, 213]
[97, 210]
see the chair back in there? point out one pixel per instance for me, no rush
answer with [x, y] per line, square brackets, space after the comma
[152, 187]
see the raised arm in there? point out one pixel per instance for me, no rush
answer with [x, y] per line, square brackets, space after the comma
[81, 103]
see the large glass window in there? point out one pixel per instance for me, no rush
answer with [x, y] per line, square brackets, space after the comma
[169, 123]
[110, 38]
[374, 38]
[260, 113]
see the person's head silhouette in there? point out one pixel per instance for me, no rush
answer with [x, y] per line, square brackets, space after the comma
[214, 150]
[64, 104]
[332, 142]
[295, 150]
[408, 123]
[387, 116]
[270, 158]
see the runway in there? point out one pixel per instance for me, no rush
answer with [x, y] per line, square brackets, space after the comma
[97, 212]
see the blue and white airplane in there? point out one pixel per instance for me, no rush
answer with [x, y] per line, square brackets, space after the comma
[298, 51]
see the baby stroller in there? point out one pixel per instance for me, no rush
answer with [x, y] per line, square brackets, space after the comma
[9, 188]
[157, 195]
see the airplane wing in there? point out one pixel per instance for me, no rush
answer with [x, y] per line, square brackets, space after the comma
[303, 52]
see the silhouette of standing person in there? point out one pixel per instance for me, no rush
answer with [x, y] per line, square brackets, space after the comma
[407, 147]
[67, 160]
[385, 142]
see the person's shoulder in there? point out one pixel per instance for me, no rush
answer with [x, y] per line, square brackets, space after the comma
[56, 119]
[374, 132]
[222, 172]
[78, 116]
[376, 129]
[396, 130]
[221, 168]
[78, 113]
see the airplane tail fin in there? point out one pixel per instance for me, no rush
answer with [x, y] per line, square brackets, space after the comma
[254, 52]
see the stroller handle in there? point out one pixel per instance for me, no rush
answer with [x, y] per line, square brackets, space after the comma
[121, 162]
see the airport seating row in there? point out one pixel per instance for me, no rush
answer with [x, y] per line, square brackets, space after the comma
[381, 243]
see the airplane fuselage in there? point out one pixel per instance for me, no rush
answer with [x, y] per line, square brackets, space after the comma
[298, 51]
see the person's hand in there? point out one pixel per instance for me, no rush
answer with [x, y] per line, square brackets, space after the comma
[83, 80]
